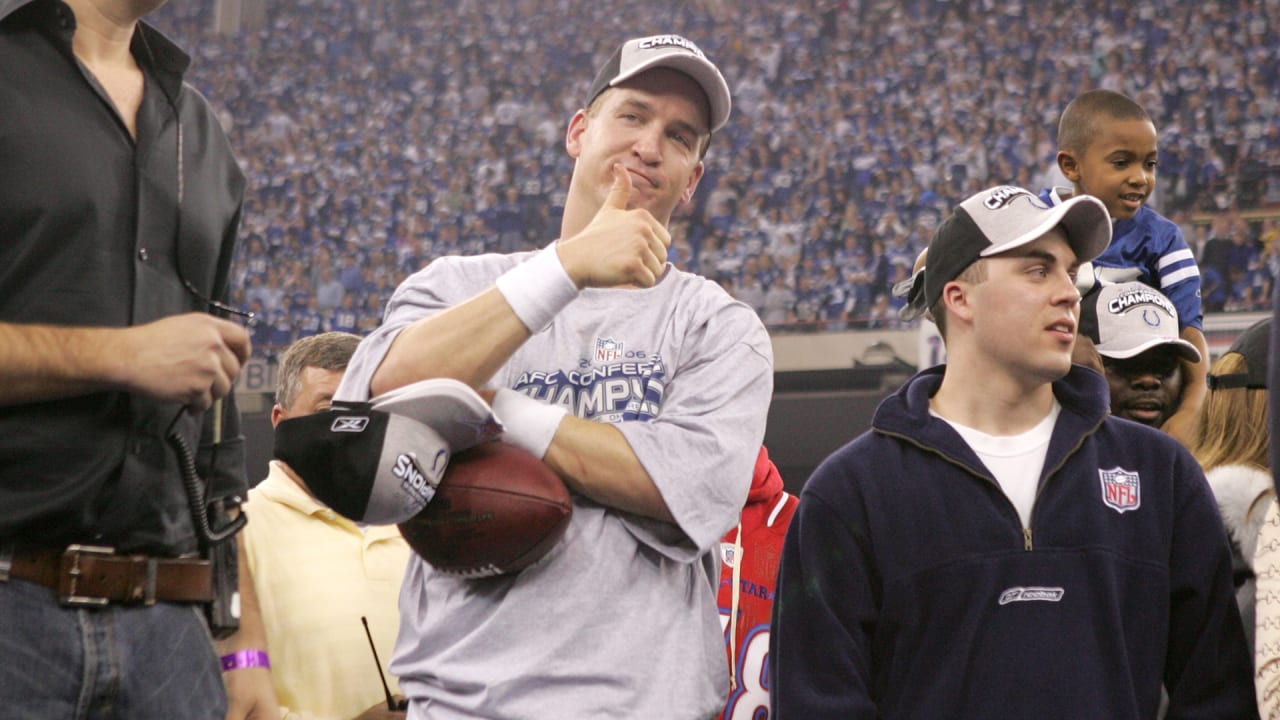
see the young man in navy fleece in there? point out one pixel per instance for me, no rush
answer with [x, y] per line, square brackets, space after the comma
[998, 546]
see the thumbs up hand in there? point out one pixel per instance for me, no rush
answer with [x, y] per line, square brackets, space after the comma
[620, 193]
[619, 246]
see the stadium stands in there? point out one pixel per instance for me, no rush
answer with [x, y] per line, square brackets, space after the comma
[381, 134]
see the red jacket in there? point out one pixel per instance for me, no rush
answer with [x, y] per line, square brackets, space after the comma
[763, 525]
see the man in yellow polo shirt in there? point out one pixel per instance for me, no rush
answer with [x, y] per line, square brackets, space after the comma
[316, 573]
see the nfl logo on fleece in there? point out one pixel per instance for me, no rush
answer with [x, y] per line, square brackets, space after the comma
[608, 350]
[1121, 490]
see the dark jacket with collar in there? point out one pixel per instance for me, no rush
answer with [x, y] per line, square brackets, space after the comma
[93, 233]
[910, 589]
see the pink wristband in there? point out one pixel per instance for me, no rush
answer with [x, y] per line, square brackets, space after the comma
[245, 659]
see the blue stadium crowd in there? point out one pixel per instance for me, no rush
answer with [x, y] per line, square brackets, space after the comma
[381, 134]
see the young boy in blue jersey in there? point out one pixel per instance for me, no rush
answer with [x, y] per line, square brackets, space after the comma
[998, 545]
[1107, 149]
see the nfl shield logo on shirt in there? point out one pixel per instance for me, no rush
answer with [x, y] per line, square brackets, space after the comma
[1121, 490]
[608, 350]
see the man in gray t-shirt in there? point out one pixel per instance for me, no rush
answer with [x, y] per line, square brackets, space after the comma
[645, 387]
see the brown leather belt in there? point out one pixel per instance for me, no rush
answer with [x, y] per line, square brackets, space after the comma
[92, 576]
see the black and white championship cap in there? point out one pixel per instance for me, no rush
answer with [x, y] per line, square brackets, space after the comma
[1127, 319]
[379, 462]
[669, 51]
[997, 220]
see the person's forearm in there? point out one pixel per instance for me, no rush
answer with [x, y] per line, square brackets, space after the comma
[618, 247]
[252, 634]
[47, 362]
[190, 359]
[1194, 393]
[1184, 424]
[597, 461]
[250, 690]
[468, 342]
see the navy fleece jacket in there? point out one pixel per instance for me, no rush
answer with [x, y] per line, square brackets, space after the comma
[910, 589]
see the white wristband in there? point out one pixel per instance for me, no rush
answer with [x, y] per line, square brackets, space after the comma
[527, 423]
[537, 289]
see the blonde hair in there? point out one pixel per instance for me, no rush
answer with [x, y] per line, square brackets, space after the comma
[1233, 423]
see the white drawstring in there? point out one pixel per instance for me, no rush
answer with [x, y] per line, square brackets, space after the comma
[733, 609]
[782, 502]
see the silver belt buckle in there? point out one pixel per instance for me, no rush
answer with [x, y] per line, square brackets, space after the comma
[69, 577]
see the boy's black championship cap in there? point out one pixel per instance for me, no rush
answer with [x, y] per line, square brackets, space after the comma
[1253, 344]
[997, 220]
[669, 51]
[379, 462]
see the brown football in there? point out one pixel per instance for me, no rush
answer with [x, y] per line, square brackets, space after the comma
[497, 510]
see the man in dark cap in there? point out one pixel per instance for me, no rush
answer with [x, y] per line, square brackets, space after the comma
[998, 545]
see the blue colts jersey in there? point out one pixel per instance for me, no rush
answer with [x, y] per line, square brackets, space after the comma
[1149, 249]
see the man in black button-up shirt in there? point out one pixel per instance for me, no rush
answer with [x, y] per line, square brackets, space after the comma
[116, 232]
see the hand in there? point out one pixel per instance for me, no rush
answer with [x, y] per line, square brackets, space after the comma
[190, 359]
[380, 712]
[1182, 426]
[619, 246]
[251, 696]
[1084, 353]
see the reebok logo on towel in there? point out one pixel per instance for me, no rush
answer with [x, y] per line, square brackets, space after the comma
[349, 424]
